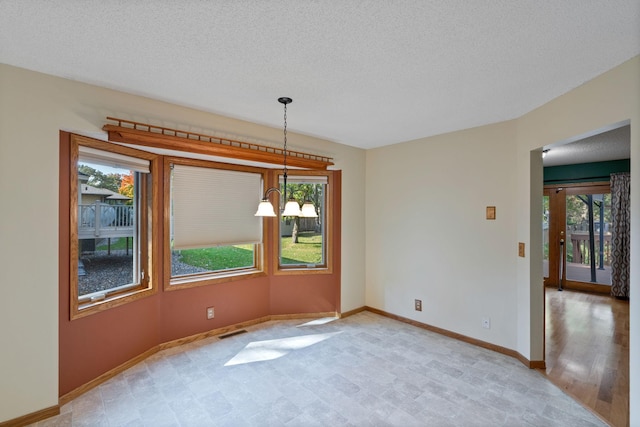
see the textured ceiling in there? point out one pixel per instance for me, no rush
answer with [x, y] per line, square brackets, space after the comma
[362, 73]
[611, 145]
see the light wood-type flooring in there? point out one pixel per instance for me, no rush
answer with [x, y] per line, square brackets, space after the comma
[362, 370]
[587, 350]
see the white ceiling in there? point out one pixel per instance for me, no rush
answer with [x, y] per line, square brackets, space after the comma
[362, 73]
[609, 145]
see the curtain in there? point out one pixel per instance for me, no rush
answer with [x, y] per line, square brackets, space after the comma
[620, 233]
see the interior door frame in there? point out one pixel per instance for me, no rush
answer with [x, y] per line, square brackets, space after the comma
[557, 229]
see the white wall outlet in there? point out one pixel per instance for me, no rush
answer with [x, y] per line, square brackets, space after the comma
[210, 313]
[486, 322]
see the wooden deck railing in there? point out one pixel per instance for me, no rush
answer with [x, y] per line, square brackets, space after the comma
[102, 220]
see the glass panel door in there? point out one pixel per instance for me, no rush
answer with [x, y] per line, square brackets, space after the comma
[576, 241]
[588, 223]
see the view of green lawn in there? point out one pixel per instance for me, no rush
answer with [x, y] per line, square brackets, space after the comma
[308, 250]
[117, 243]
[219, 258]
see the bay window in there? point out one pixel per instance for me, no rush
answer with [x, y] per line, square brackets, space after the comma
[139, 217]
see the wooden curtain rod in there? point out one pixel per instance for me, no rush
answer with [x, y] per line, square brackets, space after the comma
[130, 132]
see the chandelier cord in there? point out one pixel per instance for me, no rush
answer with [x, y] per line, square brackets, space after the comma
[285, 153]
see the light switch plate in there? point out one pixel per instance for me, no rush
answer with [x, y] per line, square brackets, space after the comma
[521, 249]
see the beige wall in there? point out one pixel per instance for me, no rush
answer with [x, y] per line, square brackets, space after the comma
[423, 236]
[33, 109]
[610, 99]
[426, 234]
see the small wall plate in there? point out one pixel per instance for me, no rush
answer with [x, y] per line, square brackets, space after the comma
[491, 212]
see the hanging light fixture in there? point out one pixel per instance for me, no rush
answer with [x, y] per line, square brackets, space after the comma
[292, 208]
[308, 210]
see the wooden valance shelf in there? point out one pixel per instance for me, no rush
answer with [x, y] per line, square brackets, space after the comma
[135, 133]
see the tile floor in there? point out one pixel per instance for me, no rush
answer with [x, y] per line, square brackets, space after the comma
[364, 370]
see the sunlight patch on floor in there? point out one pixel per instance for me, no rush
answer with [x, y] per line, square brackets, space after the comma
[322, 321]
[260, 351]
[577, 369]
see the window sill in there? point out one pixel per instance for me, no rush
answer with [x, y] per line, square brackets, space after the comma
[193, 281]
[80, 310]
[303, 270]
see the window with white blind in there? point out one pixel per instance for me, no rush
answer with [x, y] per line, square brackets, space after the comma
[213, 231]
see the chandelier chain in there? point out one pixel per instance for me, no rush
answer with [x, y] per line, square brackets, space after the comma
[284, 102]
[285, 140]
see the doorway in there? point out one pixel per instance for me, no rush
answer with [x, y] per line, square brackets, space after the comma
[577, 236]
[586, 332]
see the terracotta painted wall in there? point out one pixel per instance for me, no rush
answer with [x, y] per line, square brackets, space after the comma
[183, 312]
[95, 344]
[288, 292]
[34, 107]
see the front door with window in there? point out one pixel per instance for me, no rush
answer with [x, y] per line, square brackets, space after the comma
[577, 236]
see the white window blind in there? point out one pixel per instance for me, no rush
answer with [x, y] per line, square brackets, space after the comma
[114, 160]
[214, 207]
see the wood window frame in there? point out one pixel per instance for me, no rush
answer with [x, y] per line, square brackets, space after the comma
[160, 149]
[213, 277]
[158, 137]
[147, 230]
[327, 266]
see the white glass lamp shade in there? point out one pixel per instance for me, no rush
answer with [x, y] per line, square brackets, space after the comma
[292, 208]
[265, 208]
[308, 210]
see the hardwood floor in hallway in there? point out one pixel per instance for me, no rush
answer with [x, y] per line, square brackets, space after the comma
[587, 350]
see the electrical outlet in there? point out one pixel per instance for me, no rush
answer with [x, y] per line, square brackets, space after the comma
[486, 323]
[210, 313]
[418, 305]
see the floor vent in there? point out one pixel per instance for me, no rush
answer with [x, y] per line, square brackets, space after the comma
[231, 334]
